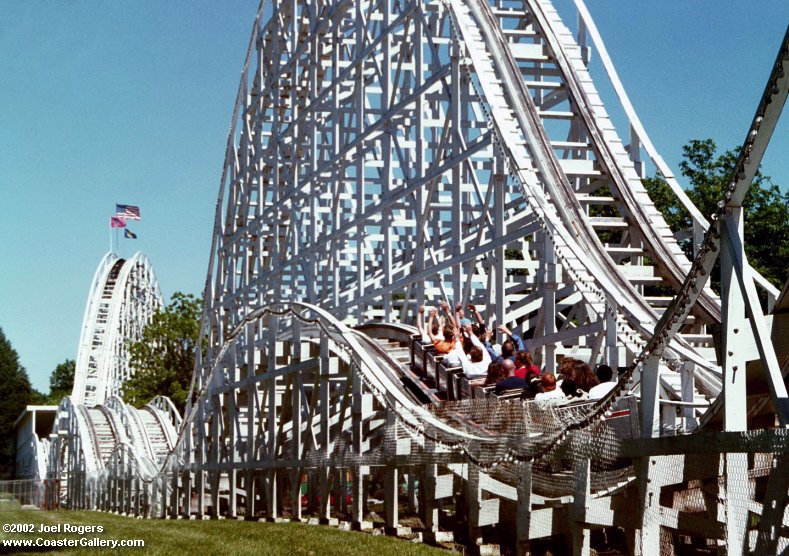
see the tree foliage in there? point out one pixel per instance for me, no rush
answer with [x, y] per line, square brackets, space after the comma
[765, 208]
[61, 381]
[163, 360]
[16, 393]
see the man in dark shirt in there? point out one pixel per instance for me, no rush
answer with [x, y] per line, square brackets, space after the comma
[512, 382]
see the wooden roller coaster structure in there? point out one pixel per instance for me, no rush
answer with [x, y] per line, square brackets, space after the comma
[386, 153]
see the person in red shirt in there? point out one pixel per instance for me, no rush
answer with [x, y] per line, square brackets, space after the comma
[524, 364]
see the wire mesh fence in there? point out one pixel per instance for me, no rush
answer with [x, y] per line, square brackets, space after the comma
[29, 494]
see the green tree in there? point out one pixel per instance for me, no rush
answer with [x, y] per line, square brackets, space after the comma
[61, 381]
[164, 358]
[765, 208]
[16, 393]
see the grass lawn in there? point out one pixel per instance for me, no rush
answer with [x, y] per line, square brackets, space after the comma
[202, 538]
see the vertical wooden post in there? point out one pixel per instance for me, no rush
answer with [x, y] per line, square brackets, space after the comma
[154, 498]
[269, 486]
[611, 346]
[269, 478]
[360, 116]
[391, 505]
[174, 503]
[186, 481]
[551, 278]
[357, 508]
[427, 494]
[456, 217]
[734, 489]
[581, 495]
[498, 295]
[648, 472]
[648, 542]
[137, 497]
[324, 408]
[650, 398]
[296, 382]
[473, 504]
[687, 379]
[391, 478]
[523, 516]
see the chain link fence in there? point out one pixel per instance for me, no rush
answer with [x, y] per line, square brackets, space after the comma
[29, 494]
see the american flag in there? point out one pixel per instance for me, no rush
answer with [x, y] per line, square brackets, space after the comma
[117, 222]
[128, 211]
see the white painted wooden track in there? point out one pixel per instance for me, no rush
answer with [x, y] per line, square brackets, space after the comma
[123, 297]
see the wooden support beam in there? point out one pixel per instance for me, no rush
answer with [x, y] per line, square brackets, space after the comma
[578, 510]
[391, 482]
[767, 440]
[650, 398]
[735, 411]
[523, 516]
[427, 496]
[473, 496]
[648, 536]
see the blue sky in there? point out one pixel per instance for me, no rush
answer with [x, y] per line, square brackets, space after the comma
[130, 102]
